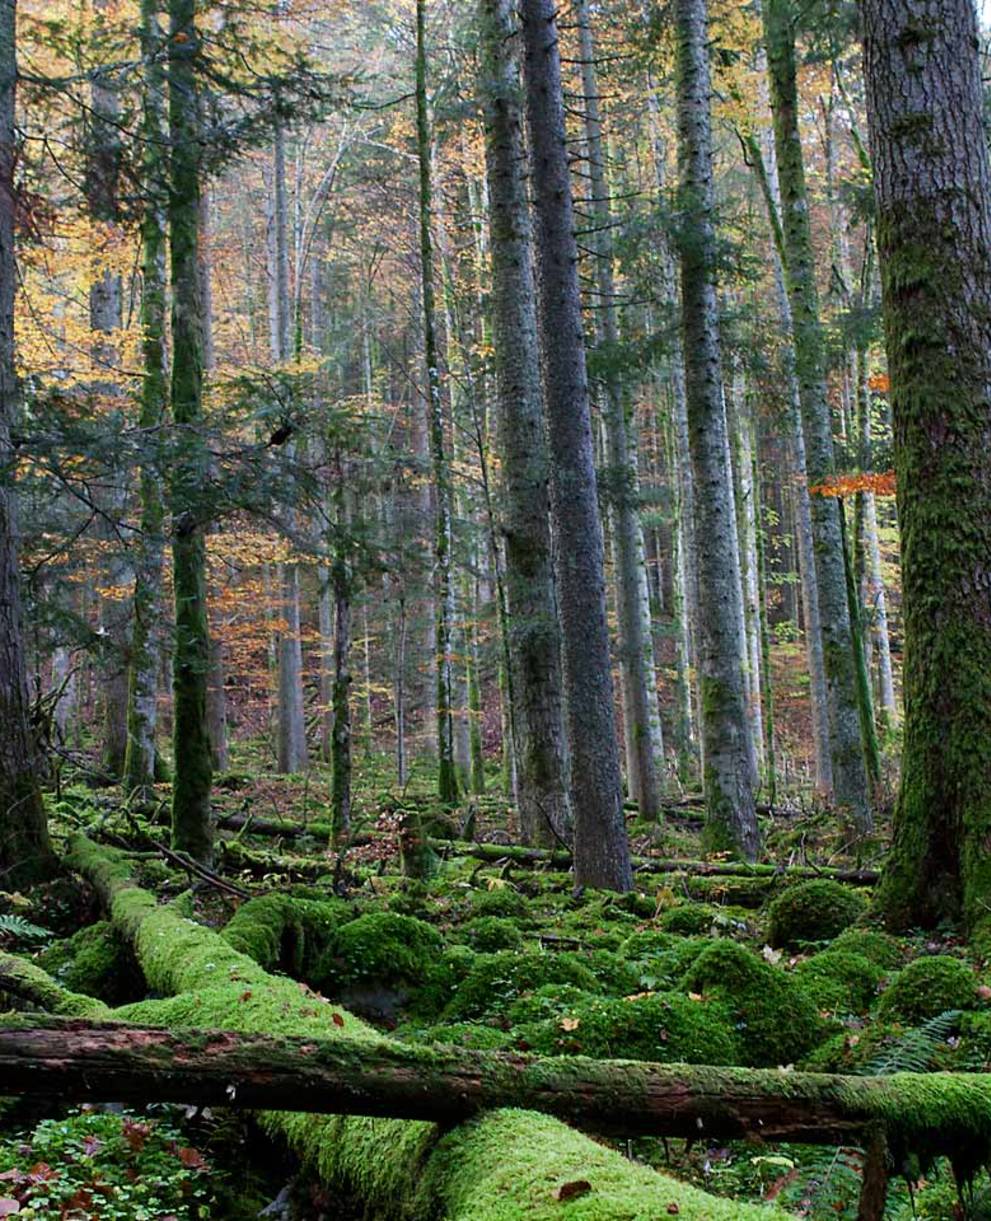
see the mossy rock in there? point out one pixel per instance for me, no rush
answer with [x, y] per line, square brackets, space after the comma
[840, 981]
[688, 919]
[96, 961]
[818, 910]
[667, 1027]
[501, 901]
[881, 948]
[777, 1020]
[496, 980]
[487, 934]
[381, 948]
[927, 987]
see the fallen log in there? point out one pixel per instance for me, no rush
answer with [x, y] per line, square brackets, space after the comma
[97, 1061]
[28, 982]
[504, 1163]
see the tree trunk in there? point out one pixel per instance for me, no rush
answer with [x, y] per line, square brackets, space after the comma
[932, 186]
[192, 829]
[731, 819]
[533, 632]
[87, 1060]
[636, 651]
[340, 797]
[601, 848]
[447, 777]
[25, 851]
[849, 772]
[142, 710]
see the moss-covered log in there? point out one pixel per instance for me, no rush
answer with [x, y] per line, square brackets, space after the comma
[506, 1164]
[92, 1061]
[28, 982]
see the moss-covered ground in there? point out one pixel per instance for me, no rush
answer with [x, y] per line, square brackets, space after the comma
[756, 971]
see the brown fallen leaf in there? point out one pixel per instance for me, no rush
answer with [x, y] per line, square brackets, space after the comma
[570, 1023]
[673, 1209]
[572, 1190]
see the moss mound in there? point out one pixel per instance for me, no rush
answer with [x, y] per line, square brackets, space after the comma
[96, 961]
[644, 945]
[688, 919]
[381, 948]
[812, 911]
[501, 901]
[285, 931]
[487, 934]
[879, 947]
[496, 980]
[927, 987]
[548, 1002]
[667, 1027]
[840, 981]
[777, 1021]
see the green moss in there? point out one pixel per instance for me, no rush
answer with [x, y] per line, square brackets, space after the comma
[613, 973]
[501, 901]
[840, 981]
[666, 1027]
[927, 987]
[96, 961]
[496, 980]
[645, 944]
[461, 1034]
[879, 947]
[443, 977]
[548, 1001]
[812, 911]
[490, 933]
[471, 1178]
[688, 919]
[285, 931]
[25, 980]
[777, 1020]
[379, 948]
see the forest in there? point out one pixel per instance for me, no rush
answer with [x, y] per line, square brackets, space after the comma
[495, 610]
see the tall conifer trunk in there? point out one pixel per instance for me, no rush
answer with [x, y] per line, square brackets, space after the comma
[932, 187]
[602, 856]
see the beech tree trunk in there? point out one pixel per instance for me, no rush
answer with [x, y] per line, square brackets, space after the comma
[932, 187]
[192, 829]
[25, 851]
[601, 848]
[727, 764]
[849, 771]
[533, 632]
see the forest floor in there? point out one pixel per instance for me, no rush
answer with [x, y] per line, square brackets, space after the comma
[761, 970]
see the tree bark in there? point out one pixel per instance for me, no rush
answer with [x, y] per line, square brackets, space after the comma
[727, 773]
[82, 1060]
[192, 829]
[849, 772]
[601, 848]
[533, 631]
[25, 850]
[932, 187]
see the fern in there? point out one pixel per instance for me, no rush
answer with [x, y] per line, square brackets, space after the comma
[916, 1050]
[16, 928]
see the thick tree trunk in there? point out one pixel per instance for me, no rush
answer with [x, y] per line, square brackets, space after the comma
[25, 851]
[601, 849]
[79, 1060]
[932, 186]
[533, 644]
[192, 829]
[849, 772]
[145, 654]
[447, 777]
[636, 650]
[727, 769]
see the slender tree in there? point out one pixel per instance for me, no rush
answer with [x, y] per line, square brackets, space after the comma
[849, 771]
[447, 777]
[534, 634]
[25, 851]
[192, 827]
[601, 849]
[932, 188]
[728, 770]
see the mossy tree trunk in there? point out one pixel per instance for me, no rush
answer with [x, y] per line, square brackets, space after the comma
[139, 760]
[192, 829]
[533, 633]
[932, 186]
[447, 776]
[849, 772]
[727, 762]
[25, 851]
[602, 855]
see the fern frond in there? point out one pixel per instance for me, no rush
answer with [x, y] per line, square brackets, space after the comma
[916, 1050]
[18, 929]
